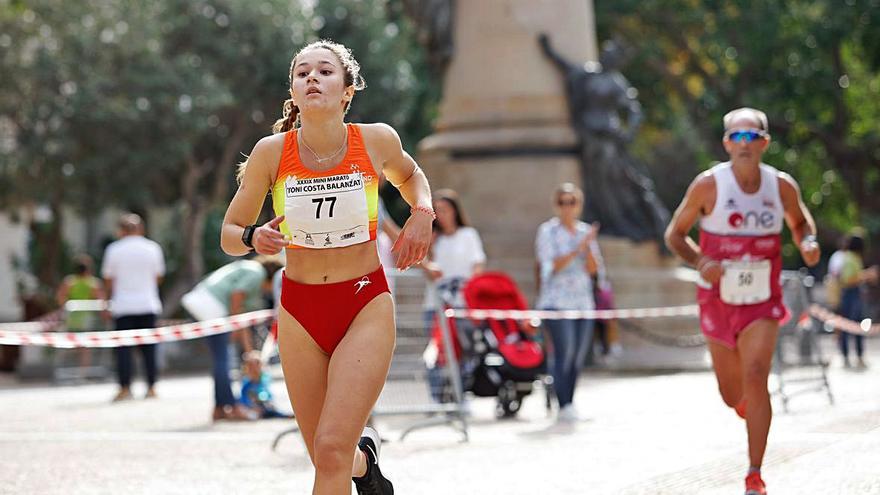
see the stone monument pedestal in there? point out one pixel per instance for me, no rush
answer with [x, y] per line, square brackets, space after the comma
[504, 141]
[503, 138]
[642, 277]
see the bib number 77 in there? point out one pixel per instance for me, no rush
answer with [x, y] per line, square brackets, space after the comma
[320, 202]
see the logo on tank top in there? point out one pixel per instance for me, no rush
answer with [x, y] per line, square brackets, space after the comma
[356, 169]
[751, 219]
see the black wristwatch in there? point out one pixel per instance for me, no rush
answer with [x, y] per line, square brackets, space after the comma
[247, 236]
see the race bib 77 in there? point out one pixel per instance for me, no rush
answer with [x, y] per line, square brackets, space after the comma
[327, 212]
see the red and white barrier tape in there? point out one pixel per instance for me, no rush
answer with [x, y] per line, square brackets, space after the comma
[122, 338]
[45, 323]
[591, 314]
[864, 327]
[53, 320]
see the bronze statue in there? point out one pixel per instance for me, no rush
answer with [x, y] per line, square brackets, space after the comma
[434, 23]
[620, 195]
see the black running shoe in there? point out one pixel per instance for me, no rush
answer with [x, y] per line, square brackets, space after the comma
[372, 483]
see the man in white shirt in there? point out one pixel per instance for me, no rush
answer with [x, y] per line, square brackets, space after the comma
[132, 269]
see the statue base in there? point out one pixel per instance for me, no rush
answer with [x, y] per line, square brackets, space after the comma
[643, 277]
[506, 196]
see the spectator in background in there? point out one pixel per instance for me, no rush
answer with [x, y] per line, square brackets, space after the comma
[455, 256]
[132, 269]
[80, 286]
[235, 288]
[256, 393]
[565, 248]
[605, 330]
[851, 276]
[832, 278]
[456, 250]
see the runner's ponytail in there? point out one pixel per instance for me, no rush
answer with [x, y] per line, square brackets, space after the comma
[289, 113]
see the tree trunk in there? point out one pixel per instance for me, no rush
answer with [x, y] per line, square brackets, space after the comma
[192, 228]
[197, 203]
[49, 272]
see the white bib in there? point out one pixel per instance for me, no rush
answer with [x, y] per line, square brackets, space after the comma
[745, 281]
[327, 212]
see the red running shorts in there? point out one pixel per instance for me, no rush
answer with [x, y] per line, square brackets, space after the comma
[327, 310]
[722, 322]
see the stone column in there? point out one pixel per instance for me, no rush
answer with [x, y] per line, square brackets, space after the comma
[503, 139]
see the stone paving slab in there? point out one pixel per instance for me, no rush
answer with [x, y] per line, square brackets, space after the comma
[659, 434]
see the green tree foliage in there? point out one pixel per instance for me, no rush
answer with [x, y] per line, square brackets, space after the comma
[400, 89]
[812, 65]
[143, 104]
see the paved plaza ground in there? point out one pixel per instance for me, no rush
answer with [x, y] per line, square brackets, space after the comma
[646, 434]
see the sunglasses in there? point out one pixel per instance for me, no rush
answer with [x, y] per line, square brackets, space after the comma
[566, 202]
[745, 135]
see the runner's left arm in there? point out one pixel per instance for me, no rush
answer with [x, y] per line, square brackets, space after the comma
[799, 219]
[404, 173]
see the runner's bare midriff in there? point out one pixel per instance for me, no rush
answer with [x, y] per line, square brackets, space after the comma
[327, 266]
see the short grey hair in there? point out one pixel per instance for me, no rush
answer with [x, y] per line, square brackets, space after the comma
[749, 113]
[568, 188]
[130, 223]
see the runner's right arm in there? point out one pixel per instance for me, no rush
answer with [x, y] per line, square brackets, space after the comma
[262, 165]
[698, 201]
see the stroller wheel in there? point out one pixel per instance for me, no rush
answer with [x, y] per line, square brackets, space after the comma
[505, 410]
[509, 400]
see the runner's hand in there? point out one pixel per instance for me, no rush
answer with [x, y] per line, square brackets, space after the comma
[710, 270]
[414, 240]
[810, 251]
[268, 239]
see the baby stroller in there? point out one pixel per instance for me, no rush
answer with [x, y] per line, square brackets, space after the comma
[497, 358]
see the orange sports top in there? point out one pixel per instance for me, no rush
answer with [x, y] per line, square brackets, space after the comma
[329, 209]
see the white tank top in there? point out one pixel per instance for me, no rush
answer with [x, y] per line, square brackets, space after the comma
[737, 213]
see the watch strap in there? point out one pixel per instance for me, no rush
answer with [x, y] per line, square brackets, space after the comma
[247, 237]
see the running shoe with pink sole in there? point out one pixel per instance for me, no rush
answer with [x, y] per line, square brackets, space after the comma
[755, 485]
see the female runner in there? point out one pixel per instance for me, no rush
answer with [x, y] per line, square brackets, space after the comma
[336, 319]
